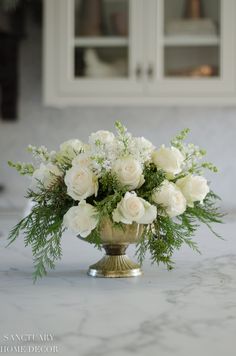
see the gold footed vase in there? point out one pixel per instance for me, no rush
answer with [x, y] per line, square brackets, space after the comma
[115, 263]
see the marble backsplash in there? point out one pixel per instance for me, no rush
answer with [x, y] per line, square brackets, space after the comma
[212, 128]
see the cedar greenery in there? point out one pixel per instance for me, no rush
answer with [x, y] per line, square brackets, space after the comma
[43, 227]
[167, 235]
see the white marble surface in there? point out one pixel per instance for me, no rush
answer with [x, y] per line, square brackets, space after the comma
[188, 311]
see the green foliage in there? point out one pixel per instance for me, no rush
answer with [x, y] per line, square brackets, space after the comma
[121, 129]
[94, 238]
[108, 204]
[123, 135]
[193, 154]
[153, 179]
[164, 237]
[207, 213]
[166, 234]
[108, 184]
[110, 194]
[177, 141]
[209, 166]
[39, 152]
[43, 227]
[22, 168]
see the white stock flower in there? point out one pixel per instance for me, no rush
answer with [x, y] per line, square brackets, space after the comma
[129, 172]
[134, 209]
[145, 148]
[81, 219]
[52, 156]
[71, 148]
[81, 183]
[46, 174]
[194, 188]
[170, 159]
[171, 198]
[103, 136]
[82, 160]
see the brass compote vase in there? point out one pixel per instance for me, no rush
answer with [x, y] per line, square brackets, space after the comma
[115, 241]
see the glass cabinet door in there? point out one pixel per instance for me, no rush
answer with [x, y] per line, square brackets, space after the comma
[193, 51]
[192, 34]
[101, 38]
[102, 50]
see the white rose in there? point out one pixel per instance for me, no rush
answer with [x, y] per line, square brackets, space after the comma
[134, 209]
[194, 188]
[168, 159]
[81, 219]
[129, 172]
[81, 183]
[71, 148]
[82, 160]
[105, 137]
[171, 198]
[46, 174]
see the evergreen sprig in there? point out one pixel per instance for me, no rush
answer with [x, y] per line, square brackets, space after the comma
[166, 234]
[153, 179]
[43, 227]
[22, 168]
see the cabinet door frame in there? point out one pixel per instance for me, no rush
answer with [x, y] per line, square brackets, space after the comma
[222, 86]
[60, 89]
[60, 86]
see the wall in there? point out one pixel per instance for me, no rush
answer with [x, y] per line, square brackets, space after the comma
[212, 128]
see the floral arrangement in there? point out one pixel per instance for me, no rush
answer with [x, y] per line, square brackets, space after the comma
[123, 178]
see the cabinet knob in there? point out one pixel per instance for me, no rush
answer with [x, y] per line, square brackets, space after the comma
[150, 71]
[138, 71]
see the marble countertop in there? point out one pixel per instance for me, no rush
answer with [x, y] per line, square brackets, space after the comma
[188, 311]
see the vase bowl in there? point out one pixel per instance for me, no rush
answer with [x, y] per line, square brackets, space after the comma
[115, 240]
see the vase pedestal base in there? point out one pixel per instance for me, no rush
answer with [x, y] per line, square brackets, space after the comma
[115, 264]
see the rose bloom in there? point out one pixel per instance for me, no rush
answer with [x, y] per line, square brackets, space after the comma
[194, 188]
[105, 137]
[129, 172]
[171, 198]
[170, 160]
[134, 209]
[81, 219]
[81, 183]
[46, 174]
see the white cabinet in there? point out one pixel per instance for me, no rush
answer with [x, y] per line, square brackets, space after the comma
[139, 52]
